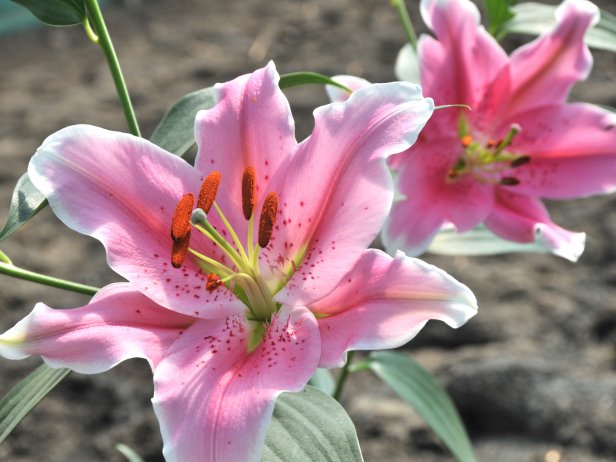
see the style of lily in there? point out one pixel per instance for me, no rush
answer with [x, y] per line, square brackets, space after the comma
[246, 272]
[521, 142]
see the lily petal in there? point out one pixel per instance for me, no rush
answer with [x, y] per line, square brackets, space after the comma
[458, 66]
[350, 81]
[572, 149]
[390, 308]
[128, 205]
[323, 230]
[119, 323]
[429, 200]
[543, 71]
[524, 219]
[251, 125]
[214, 400]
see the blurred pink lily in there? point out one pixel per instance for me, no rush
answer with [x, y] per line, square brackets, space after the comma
[246, 272]
[521, 141]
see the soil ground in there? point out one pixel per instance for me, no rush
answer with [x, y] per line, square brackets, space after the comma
[534, 374]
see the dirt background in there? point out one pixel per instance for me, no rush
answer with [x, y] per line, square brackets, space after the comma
[533, 374]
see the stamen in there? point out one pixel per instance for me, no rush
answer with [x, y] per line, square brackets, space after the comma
[249, 187]
[179, 250]
[208, 192]
[213, 282]
[180, 224]
[509, 181]
[268, 218]
[466, 141]
[520, 161]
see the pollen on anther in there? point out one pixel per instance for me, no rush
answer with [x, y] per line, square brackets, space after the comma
[179, 251]
[249, 188]
[180, 224]
[213, 282]
[268, 218]
[466, 140]
[208, 192]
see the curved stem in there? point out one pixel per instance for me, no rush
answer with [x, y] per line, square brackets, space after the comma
[104, 40]
[343, 376]
[403, 13]
[20, 273]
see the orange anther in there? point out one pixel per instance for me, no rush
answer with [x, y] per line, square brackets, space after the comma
[180, 224]
[268, 218]
[466, 140]
[249, 188]
[179, 250]
[213, 282]
[208, 192]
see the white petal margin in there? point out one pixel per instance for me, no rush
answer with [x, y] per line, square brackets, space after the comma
[383, 302]
[353, 83]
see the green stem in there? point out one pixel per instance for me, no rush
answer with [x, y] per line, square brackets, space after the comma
[21, 273]
[343, 376]
[403, 13]
[104, 40]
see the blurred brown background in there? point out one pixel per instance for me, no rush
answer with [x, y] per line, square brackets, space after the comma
[533, 374]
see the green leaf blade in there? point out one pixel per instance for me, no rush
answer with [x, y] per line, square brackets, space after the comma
[56, 12]
[309, 426]
[498, 12]
[26, 202]
[24, 396]
[419, 388]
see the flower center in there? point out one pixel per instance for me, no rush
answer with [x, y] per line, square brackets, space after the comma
[488, 162]
[243, 277]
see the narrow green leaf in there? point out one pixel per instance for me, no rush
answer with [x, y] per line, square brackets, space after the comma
[175, 132]
[130, 454]
[294, 79]
[26, 395]
[56, 12]
[497, 12]
[26, 202]
[310, 426]
[536, 18]
[420, 389]
[323, 380]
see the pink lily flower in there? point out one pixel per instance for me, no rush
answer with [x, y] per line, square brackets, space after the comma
[520, 143]
[246, 272]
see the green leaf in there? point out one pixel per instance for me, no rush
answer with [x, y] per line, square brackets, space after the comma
[536, 18]
[26, 202]
[294, 79]
[56, 12]
[26, 395]
[479, 241]
[323, 380]
[175, 132]
[130, 454]
[310, 426]
[419, 388]
[497, 12]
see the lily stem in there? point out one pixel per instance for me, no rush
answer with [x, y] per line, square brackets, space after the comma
[403, 13]
[343, 376]
[104, 40]
[20, 273]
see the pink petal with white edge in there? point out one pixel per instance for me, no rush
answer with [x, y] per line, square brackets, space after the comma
[572, 149]
[430, 200]
[521, 218]
[336, 192]
[214, 400]
[351, 82]
[123, 191]
[251, 124]
[383, 302]
[119, 323]
[458, 66]
[543, 71]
